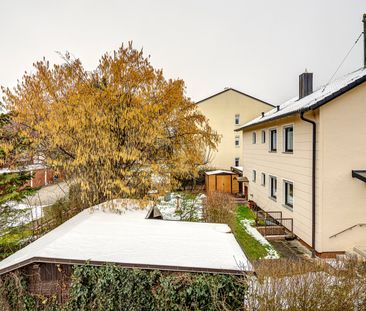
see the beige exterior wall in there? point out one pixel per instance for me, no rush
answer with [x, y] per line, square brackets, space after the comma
[295, 167]
[343, 137]
[341, 147]
[221, 110]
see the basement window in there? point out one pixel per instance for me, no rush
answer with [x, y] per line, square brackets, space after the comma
[263, 179]
[273, 187]
[289, 193]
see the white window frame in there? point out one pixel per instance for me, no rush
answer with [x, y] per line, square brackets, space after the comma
[271, 178]
[237, 141]
[237, 159]
[237, 119]
[285, 138]
[270, 139]
[254, 176]
[285, 202]
[263, 179]
[254, 138]
[263, 136]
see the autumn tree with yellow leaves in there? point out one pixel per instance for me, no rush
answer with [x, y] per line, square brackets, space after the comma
[114, 130]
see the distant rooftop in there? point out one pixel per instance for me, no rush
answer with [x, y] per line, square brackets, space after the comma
[316, 99]
[98, 235]
[234, 90]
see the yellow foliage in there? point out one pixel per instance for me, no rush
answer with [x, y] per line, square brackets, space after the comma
[113, 130]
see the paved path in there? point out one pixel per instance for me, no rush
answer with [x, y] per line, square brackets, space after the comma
[291, 249]
[48, 195]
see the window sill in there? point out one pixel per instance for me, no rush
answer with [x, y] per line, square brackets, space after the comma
[273, 199]
[291, 209]
[288, 152]
[272, 151]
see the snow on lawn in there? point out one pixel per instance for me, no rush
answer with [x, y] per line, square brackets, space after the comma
[248, 227]
[27, 213]
[175, 206]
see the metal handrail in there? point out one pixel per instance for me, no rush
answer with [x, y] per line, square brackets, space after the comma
[349, 228]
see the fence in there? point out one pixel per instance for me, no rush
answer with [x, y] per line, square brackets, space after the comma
[271, 223]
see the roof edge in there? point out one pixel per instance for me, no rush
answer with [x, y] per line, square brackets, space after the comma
[232, 89]
[123, 265]
[322, 102]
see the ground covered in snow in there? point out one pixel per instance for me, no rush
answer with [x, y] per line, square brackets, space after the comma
[181, 206]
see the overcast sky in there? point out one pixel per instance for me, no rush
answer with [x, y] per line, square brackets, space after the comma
[256, 46]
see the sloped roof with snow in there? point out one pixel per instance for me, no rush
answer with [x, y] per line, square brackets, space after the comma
[316, 99]
[100, 236]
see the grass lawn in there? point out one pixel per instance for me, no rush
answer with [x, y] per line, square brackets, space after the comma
[251, 247]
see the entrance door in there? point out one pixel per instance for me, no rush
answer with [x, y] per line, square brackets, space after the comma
[246, 192]
[224, 183]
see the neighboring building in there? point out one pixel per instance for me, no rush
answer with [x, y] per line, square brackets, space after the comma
[226, 111]
[306, 158]
[41, 176]
[125, 237]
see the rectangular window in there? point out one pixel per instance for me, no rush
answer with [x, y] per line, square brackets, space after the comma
[237, 141]
[273, 187]
[289, 193]
[237, 119]
[289, 139]
[263, 136]
[263, 181]
[237, 162]
[254, 177]
[254, 137]
[273, 140]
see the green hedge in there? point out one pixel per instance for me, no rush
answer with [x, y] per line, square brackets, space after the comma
[110, 288]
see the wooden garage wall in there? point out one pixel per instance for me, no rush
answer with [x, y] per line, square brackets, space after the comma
[222, 183]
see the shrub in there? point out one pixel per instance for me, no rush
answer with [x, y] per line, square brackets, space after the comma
[116, 288]
[308, 285]
[219, 207]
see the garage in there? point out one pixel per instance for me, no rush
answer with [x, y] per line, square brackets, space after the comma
[222, 181]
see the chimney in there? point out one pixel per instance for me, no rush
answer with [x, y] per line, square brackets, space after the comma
[305, 84]
[364, 39]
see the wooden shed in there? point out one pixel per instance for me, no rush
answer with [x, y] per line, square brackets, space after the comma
[222, 181]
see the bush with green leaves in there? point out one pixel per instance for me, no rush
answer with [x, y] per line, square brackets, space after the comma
[111, 288]
[114, 288]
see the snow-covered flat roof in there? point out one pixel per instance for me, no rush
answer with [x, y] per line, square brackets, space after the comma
[100, 236]
[218, 172]
[312, 101]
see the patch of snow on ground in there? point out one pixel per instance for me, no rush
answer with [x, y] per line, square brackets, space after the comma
[175, 206]
[248, 227]
[29, 213]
